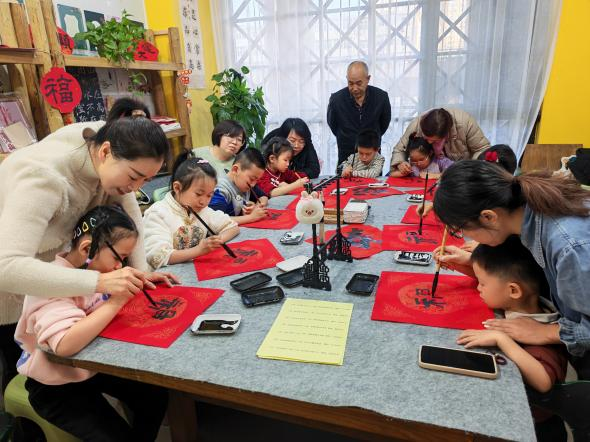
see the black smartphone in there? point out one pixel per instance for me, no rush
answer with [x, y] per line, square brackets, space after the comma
[470, 363]
[266, 295]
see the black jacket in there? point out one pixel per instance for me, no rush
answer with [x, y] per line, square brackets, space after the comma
[346, 119]
[307, 160]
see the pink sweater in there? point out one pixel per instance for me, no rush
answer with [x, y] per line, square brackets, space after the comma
[43, 322]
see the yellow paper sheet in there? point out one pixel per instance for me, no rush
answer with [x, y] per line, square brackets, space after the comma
[308, 331]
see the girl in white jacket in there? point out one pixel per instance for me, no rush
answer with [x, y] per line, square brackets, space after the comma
[173, 234]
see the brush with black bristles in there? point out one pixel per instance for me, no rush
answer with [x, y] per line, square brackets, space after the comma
[437, 270]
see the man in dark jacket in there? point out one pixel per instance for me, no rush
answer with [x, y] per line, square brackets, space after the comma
[356, 107]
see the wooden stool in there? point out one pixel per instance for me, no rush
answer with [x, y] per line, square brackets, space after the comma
[16, 402]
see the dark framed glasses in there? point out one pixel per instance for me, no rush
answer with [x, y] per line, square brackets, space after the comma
[117, 256]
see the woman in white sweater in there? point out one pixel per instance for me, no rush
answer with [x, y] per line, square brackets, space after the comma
[46, 188]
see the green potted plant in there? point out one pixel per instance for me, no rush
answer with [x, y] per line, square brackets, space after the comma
[117, 41]
[232, 99]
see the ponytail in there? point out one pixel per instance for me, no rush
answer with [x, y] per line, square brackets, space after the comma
[468, 187]
[553, 195]
[128, 107]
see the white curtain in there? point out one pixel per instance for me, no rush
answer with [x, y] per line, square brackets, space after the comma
[491, 58]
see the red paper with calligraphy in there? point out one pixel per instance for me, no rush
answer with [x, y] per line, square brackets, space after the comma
[65, 41]
[405, 237]
[411, 217]
[61, 90]
[141, 322]
[405, 297]
[275, 219]
[368, 193]
[364, 240]
[254, 254]
[145, 51]
[409, 181]
[429, 194]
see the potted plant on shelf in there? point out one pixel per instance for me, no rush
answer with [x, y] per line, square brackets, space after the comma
[117, 42]
[232, 99]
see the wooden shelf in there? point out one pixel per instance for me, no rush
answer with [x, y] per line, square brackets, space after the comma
[22, 56]
[176, 133]
[99, 62]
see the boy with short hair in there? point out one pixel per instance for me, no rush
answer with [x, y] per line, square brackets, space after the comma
[511, 280]
[237, 194]
[366, 162]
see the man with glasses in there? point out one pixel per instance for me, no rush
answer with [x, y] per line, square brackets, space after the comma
[356, 107]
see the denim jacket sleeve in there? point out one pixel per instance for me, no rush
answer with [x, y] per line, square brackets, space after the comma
[573, 270]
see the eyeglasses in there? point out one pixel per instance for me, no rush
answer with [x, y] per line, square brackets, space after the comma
[298, 143]
[117, 256]
[237, 139]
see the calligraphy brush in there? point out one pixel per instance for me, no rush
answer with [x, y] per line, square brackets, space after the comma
[225, 246]
[110, 246]
[423, 204]
[253, 194]
[432, 187]
[322, 227]
[442, 251]
[150, 299]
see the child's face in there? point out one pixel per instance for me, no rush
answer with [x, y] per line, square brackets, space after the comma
[419, 160]
[281, 163]
[494, 291]
[244, 179]
[198, 195]
[366, 154]
[106, 260]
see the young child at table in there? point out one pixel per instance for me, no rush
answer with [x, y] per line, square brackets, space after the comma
[277, 179]
[173, 233]
[366, 162]
[237, 194]
[423, 159]
[511, 280]
[72, 398]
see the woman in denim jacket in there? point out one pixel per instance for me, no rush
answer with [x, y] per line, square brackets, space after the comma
[552, 217]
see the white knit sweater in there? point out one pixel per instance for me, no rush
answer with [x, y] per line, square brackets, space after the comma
[44, 189]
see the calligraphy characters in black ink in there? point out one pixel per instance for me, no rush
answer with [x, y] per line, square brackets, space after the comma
[242, 255]
[413, 236]
[424, 298]
[166, 308]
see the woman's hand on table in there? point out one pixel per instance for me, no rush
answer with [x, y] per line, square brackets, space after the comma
[164, 277]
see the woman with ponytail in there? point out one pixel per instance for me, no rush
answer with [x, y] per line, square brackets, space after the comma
[47, 187]
[551, 215]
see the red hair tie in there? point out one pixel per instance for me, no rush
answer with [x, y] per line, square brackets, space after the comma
[491, 156]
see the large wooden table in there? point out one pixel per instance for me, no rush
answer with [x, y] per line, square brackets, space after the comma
[379, 393]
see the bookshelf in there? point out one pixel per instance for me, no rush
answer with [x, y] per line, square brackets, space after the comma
[27, 65]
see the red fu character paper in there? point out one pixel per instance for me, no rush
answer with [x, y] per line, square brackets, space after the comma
[406, 237]
[406, 298]
[159, 325]
[409, 181]
[254, 254]
[276, 219]
[411, 217]
[364, 240]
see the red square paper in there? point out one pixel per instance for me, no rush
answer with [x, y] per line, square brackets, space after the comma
[405, 237]
[368, 193]
[364, 240]
[408, 181]
[141, 322]
[276, 219]
[411, 217]
[253, 254]
[351, 182]
[405, 297]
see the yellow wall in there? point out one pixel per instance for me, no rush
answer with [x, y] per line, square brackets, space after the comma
[565, 116]
[164, 14]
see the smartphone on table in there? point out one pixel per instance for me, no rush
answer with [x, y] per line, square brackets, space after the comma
[466, 362]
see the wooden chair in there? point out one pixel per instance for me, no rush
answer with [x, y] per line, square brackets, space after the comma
[545, 156]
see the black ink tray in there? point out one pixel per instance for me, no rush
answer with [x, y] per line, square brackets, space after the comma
[250, 282]
[265, 295]
[362, 284]
[292, 278]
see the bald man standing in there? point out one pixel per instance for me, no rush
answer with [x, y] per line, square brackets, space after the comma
[356, 107]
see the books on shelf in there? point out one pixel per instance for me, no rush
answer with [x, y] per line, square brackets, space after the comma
[166, 123]
[15, 129]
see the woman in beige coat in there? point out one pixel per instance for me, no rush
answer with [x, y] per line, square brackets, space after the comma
[452, 132]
